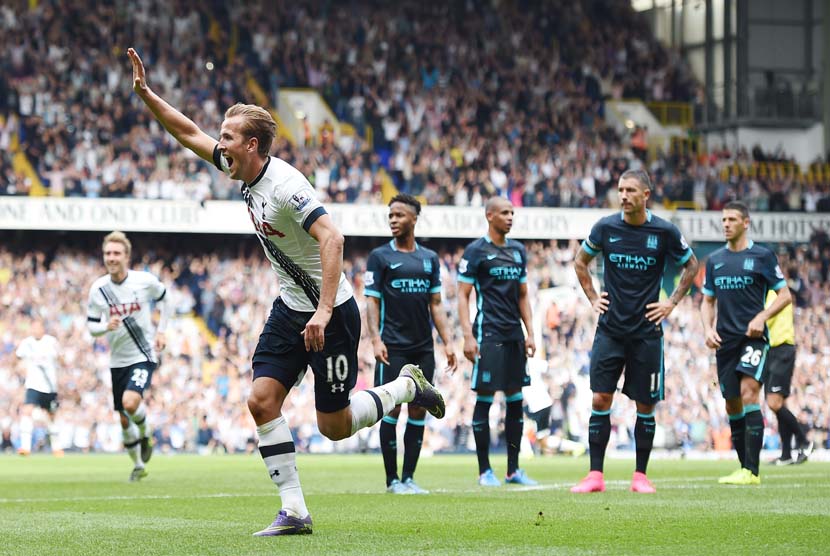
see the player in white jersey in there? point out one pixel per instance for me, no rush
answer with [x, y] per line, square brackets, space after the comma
[315, 321]
[120, 305]
[39, 353]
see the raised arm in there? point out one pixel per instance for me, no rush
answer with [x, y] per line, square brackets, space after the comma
[177, 124]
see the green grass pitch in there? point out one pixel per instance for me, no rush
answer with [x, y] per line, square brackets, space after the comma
[211, 505]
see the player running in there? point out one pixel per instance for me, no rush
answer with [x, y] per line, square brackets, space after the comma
[403, 290]
[39, 354]
[120, 306]
[315, 320]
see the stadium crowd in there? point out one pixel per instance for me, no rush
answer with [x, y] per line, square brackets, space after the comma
[464, 100]
[197, 399]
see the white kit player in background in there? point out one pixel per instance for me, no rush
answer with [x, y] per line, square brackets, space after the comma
[39, 354]
[120, 306]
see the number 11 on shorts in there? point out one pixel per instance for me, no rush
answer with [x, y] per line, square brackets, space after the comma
[655, 382]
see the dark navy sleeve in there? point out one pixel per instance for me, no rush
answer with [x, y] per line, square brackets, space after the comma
[709, 280]
[435, 277]
[373, 278]
[523, 251]
[772, 272]
[593, 245]
[218, 160]
[468, 266]
[677, 247]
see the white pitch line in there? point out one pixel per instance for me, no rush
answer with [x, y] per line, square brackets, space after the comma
[140, 497]
[668, 484]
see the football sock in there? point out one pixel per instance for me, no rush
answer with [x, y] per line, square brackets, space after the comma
[793, 427]
[276, 446]
[786, 436]
[599, 432]
[754, 436]
[368, 406]
[644, 438]
[737, 423]
[513, 424]
[413, 437]
[389, 447]
[26, 426]
[54, 441]
[131, 443]
[481, 431]
[140, 419]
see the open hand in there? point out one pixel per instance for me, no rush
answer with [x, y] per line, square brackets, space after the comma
[139, 76]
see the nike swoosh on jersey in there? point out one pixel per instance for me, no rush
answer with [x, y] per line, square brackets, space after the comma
[393, 266]
[493, 256]
[614, 239]
[775, 389]
[719, 265]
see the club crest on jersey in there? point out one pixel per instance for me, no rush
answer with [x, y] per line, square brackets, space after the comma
[651, 242]
[462, 266]
[517, 256]
[299, 200]
[368, 278]
[427, 266]
[749, 264]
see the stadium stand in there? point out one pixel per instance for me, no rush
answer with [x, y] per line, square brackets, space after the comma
[519, 115]
[208, 374]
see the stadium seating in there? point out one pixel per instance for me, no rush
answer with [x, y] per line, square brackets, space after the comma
[519, 114]
[207, 373]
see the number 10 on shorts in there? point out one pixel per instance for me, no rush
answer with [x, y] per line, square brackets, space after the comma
[337, 368]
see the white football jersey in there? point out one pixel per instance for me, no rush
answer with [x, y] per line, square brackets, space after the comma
[131, 300]
[41, 360]
[282, 206]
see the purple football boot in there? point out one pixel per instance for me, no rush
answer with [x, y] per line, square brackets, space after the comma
[285, 524]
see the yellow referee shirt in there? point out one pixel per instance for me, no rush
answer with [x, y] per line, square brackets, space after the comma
[781, 328]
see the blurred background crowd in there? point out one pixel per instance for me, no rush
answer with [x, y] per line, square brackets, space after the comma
[454, 102]
[220, 299]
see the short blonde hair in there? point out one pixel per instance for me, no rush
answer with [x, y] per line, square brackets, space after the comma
[118, 237]
[257, 122]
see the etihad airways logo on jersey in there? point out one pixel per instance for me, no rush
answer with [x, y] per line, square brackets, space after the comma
[733, 282]
[506, 272]
[124, 309]
[632, 262]
[411, 285]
